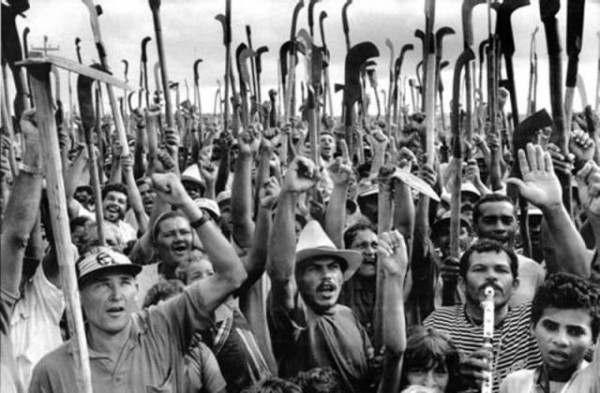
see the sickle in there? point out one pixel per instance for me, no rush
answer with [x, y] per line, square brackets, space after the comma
[26, 32]
[196, 83]
[327, 96]
[311, 19]
[532, 90]
[126, 63]
[388, 105]
[258, 61]
[548, 11]
[144, 73]
[252, 60]
[463, 61]
[355, 58]
[245, 81]
[575, 19]
[95, 12]
[155, 8]
[226, 24]
[507, 46]
[439, 37]
[397, 72]
[345, 23]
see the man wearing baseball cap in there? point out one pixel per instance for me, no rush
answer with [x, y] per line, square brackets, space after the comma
[141, 352]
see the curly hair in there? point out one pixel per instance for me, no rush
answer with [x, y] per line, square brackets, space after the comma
[350, 233]
[162, 290]
[488, 246]
[568, 291]
[116, 187]
[428, 348]
[273, 385]
[319, 380]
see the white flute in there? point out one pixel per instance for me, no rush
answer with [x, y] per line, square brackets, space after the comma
[488, 333]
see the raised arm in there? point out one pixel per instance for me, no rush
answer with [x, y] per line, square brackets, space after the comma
[22, 207]
[135, 199]
[241, 190]
[335, 215]
[393, 256]
[229, 271]
[541, 187]
[282, 242]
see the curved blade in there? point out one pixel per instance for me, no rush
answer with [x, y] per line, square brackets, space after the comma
[356, 57]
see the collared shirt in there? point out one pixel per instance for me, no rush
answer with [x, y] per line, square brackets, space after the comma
[586, 379]
[531, 381]
[151, 360]
[514, 347]
[303, 340]
[35, 322]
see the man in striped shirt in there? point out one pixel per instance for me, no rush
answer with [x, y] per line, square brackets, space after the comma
[484, 264]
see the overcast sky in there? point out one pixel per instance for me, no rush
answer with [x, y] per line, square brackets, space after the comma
[190, 31]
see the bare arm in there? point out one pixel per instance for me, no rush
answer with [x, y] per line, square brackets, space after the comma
[393, 255]
[335, 215]
[541, 187]
[229, 271]
[135, 199]
[241, 190]
[282, 242]
[22, 208]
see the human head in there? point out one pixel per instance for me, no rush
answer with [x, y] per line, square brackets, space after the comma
[273, 385]
[81, 231]
[362, 237]
[147, 193]
[83, 194]
[494, 218]
[197, 267]
[107, 289]
[319, 380]
[430, 360]
[440, 233]
[192, 181]
[326, 145]
[172, 237]
[489, 263]
[565, 319]
[114, 201]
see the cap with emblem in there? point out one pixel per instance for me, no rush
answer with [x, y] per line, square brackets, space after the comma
[102, 259]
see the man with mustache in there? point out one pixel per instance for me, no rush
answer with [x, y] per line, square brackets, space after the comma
[492, 262]
[114, 206]
[308, 328]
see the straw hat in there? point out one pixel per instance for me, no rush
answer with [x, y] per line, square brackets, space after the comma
[314, 242]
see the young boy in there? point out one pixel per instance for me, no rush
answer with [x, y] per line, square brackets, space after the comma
[565, 319]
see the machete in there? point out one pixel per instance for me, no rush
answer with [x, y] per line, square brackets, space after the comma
[575, 18]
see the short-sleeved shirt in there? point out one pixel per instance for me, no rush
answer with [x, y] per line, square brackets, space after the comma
[514, 346]
[9, 377]
[587, 379]
[303, 340]
[152, 359]
[35, 329]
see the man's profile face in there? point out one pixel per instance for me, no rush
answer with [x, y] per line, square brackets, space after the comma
[489, 268]
[320, 282]
[497, 222]
[108, 302]
[564, 336]
[114, 205]
[366, 243]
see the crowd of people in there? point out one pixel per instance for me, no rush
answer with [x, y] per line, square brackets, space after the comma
[225, 260]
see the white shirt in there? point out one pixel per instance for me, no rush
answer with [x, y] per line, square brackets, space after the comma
[35, 321]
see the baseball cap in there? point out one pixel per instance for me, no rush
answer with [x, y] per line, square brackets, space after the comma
[101, 259]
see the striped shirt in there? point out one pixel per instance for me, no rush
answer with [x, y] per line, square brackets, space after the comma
[515, 348]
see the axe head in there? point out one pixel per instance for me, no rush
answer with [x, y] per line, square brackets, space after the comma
[549, 9]
[526, 132]
[38, 59]
[355, 58]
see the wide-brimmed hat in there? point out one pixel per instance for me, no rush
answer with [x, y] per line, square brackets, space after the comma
[314, 242]
[192, 174]
[445, 221]
[210, 206]
[102, 258]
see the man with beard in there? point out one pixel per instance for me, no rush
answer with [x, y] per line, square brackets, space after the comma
[312, 330]
[114, 206]
[359, 292]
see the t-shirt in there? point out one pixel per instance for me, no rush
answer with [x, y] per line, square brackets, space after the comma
[152, 359]
[303, 340]
[528, 381]
[514, 346]
[586, 379]
[9, 377]
[35, 329]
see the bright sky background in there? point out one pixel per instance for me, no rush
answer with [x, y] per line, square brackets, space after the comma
[191, 32]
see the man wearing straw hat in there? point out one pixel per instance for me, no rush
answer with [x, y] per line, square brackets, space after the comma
[141, 352]
[312, 330]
